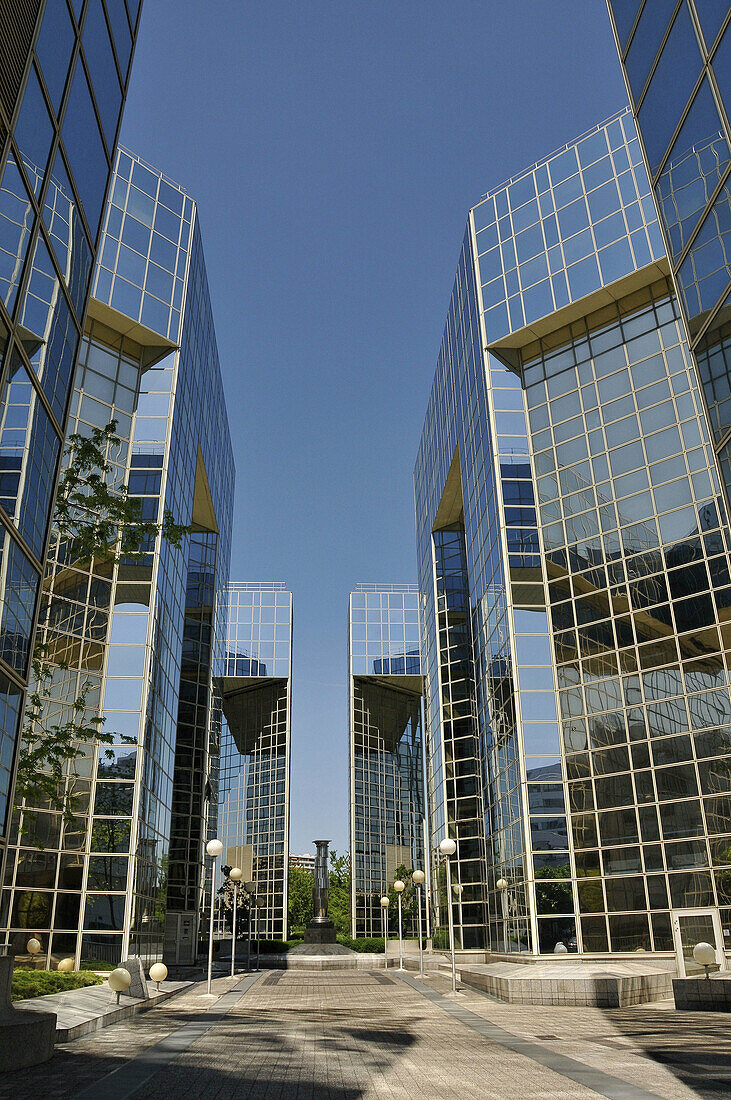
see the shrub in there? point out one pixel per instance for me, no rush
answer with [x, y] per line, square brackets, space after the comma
[367, 944]
[39, 983]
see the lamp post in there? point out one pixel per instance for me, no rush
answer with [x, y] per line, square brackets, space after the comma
[214, 848]
[457, 889]
[502, 885]
[399, 888]
[384, 924]
[255, 903]
[235, 875]
[250, 887]
[418, 880]
[448, 848]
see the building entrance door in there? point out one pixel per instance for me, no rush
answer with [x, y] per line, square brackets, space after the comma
[692, 926]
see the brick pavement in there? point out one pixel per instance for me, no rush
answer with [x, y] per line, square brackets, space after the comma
[353, 1035]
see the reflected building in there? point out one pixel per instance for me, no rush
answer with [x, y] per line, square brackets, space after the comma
[64, 72]
[387, 819]
[136, 636]
[574, 562]
[676, 61]
[254, 681]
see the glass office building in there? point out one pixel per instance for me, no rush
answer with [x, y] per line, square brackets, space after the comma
[255, 683]
[676, 59]
[387, 819]
[137, 635]
[574, 562]
[64, 72]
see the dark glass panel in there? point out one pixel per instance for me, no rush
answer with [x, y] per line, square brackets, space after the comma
[711, 14]
[630, 932]
[67, 911]
[104, 912]
[594, 934]
[554, 897]
[54, 47]
[705, 273]
[67, 233]
[34, 132]
[121, 33]
[16, 613]
[646, 42]
[16, 224]
[85, 148]
[670, 88]
[553, 930]
[100, 60]
[31, 910]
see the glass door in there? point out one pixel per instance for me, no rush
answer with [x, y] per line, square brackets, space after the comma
[692, 926]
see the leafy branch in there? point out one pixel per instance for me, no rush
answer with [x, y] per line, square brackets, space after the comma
[93, 517]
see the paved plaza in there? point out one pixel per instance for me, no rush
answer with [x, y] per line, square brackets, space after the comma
[280, 1035]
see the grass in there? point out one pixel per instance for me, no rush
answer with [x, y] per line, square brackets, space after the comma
[39, 983]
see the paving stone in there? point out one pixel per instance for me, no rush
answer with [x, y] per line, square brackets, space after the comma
[350, 1036]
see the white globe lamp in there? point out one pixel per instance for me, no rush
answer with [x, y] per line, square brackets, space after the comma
[65, 966]
[33, 946]
[398, 886]
[447, 847]
[119, 980]
[214, 848]
[705, 955]
[158, 973]
[418, 878]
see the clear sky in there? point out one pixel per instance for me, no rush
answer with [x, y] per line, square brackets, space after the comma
[334, 149]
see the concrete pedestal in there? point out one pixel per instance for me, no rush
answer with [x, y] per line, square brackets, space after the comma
[701, 994]
[321, 932]
[26, 1038]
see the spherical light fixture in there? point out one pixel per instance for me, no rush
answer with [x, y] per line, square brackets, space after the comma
[502, 884]
[457, 888]
[214, 848]
[560, 949]
[65, 966]
[158, 973]
[236, 874]
[705, 955]
[418, 878]
[447, 847]
[398, 886]
[119, 980]
[33, 946]
[385, 902]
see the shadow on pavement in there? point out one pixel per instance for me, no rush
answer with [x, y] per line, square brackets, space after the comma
[694, 1046]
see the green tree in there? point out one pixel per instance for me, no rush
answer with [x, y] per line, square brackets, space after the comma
[339, 892]
[93, 518]
[409, 915]
[299, 896]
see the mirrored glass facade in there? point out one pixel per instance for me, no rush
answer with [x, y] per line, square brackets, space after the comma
[64, 70]
[676, 60]
[574, 553]
[387, 819]
[140, 635]
[254, 680]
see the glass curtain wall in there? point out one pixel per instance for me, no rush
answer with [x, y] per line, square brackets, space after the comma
[580, 569]
[253, 785]
[676, 60]
[136, 632]
[64, 72]
[387, 819]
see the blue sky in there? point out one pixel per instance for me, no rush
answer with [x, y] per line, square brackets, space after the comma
[334, 149]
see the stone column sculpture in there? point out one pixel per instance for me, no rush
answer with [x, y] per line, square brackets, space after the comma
[320, 929]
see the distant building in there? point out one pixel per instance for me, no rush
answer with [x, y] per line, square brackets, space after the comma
[387, 818]
[304, 863]
[254, 681]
